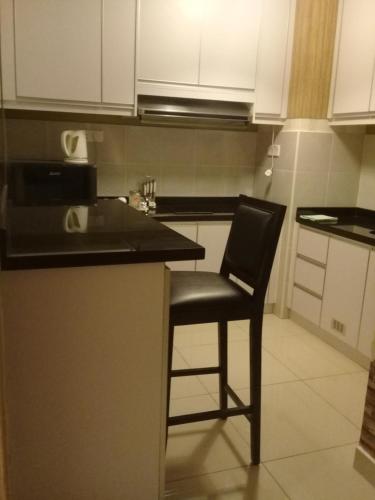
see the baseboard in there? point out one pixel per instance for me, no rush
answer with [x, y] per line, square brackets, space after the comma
[349, 351]
[364, 463]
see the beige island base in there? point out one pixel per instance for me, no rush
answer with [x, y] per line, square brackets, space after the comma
[84, 360]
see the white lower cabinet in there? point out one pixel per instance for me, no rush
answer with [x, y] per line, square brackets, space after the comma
[306, 305]
[189, 230]
[344, 289]
[367, 330]
[213, 237]
[334, 288]
[309, 276]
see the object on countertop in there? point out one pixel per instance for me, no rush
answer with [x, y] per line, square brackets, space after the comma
[320, 218]
[148, 189]
[74, 145]
[135, 199]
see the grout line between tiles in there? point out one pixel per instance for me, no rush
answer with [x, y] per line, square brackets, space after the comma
[312, 452]
[282, 363]
[245, 468]
[331, 405]
[277, 481]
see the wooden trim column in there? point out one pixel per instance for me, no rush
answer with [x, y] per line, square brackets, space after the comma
[314, 38]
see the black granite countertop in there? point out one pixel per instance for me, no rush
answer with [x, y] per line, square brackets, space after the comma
[352, 222]
[194, 208]
[113, 233]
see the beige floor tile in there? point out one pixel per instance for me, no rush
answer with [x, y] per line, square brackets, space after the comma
[324, 475]
[184, 387]
[199, 355]
[253, 483]
[274, 326]
[202, 402]
[309, 357]
[202, 447]
[277, 327]
[243, 324]
[273, 372]
[206, 333]
[346, 393]
[296, 420]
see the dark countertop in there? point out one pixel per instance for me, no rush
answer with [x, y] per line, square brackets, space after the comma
[352, 222]
[116, 234]
[193, 208]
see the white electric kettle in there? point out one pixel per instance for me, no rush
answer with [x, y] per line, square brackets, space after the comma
[74, 145]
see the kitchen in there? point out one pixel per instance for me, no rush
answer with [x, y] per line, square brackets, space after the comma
[318, 165]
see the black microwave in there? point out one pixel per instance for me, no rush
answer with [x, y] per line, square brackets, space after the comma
[33, 183]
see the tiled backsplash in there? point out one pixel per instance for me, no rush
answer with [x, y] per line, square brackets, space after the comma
[185, 162]
[315, 167]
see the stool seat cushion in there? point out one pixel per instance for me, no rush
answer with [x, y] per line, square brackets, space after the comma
[204, 297]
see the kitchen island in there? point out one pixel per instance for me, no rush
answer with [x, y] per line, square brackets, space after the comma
[84, 346]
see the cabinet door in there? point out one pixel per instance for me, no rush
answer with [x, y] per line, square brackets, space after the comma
[189, 230]
[213, 237]
[229, 43]
[344, 289]
[169, 40]
[355, 63]
[367, 331]
[58, 49]
[118, 51]
[272, 74]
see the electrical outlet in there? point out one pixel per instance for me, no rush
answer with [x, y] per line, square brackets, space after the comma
[338, 326]
[274, 150]
[94, 135]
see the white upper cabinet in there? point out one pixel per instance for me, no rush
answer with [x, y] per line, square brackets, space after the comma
[229, 43]
[169, 40]
[195, 48]
[57, 48]
[274, 60]
[118, 51]
[68, 55]
[352, 93]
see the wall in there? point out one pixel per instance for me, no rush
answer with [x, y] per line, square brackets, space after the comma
[185, 162]
[318, 166]
[366, 192]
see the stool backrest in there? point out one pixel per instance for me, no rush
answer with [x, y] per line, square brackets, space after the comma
[252, 243]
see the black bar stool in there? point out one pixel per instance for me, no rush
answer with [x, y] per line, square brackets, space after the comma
[203, 297]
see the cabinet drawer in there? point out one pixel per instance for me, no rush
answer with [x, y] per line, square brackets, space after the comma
[309, 276]
[312, 245]
[306, 305]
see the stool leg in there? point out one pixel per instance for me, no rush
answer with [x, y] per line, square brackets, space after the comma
[170, 359]
[255, 385]
[223, 364]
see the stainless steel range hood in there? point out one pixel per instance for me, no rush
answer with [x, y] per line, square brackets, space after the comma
[193, 112]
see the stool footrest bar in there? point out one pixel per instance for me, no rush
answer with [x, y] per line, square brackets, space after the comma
[186, 372]
[209, 415]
